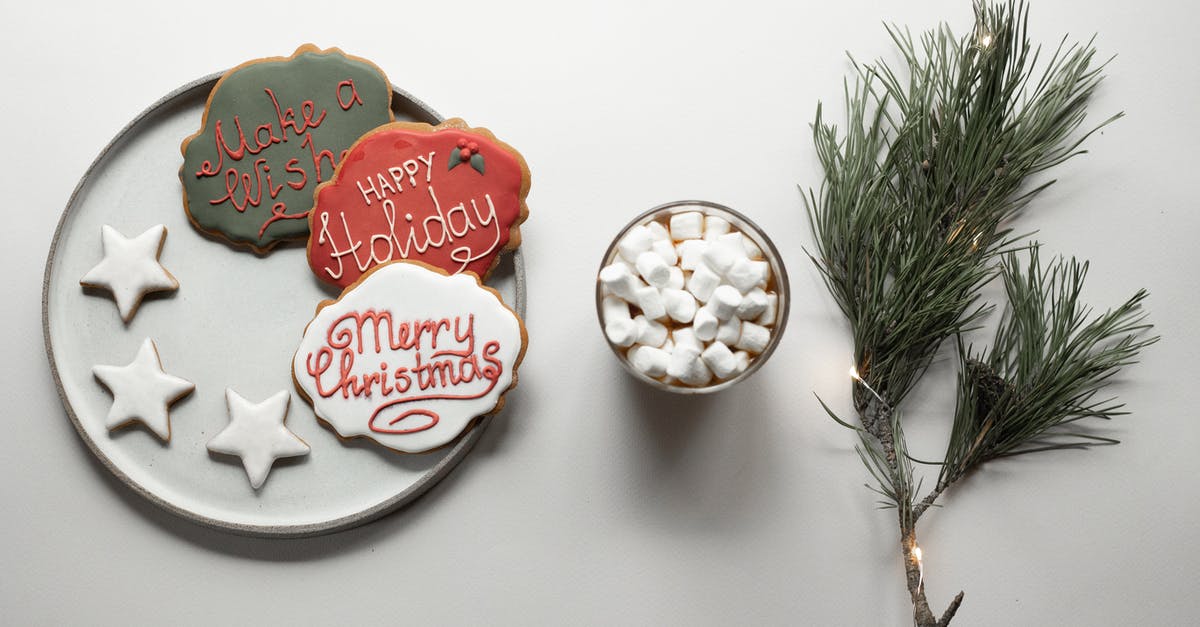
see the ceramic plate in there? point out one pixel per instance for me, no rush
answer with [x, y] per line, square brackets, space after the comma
[234, 322]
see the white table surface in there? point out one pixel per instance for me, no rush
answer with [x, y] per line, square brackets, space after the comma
[593, 500]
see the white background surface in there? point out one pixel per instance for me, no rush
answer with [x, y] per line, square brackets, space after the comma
[592, 500]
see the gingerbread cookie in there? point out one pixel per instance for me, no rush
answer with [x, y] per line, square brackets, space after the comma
[130, 268]
[257, 435]
[448, 195]
[142, 392]
[409, 356]
[274, 129]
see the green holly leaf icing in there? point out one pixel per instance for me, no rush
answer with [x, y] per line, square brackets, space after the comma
[455, 159]
[273, 130]
[477, 162]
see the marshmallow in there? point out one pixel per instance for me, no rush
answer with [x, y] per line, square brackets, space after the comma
[681, 305]
[743, 361]
[753, 304]
[721, 255]
[702, 283]
[724, 302]
[668, 346]
[614, 308]
[676, 281]
[754, 338]
[729, 331]
[687, 366]
[681, 358]
[752, 249]
[767, 318]
[653, 268]
[650, 300]
[649, 361]
[649, 332]
[618, 279]
[686, 337]
[705, 325]
[745, 274]
[690, 253]
[658, 232]
[720, 360]
[715, 227]
[665, 249]
[687, 225]
[636, 241]
[622, 331]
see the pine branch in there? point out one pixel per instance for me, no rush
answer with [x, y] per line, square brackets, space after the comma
[914, 217]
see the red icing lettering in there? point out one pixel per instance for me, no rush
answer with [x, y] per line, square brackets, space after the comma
[459, 220]
[346, 104]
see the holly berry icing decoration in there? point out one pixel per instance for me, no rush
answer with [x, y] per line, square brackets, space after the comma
[392, 198]
[130, 268]
[468, 152]
[257, 435]
[142, 392]
[273, 129]
[409, 356]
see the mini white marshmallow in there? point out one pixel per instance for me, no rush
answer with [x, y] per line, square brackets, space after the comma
[622, 332]
[720, 360]
[721, 255]
[668, 346]
[666, 249]
[614, 308]
[676, 282]
[691, 253]
[681, 358]
[743, 361]
[636, 241]
[696, 373]
[649, 361]
[754, 303]
[767, 318]
[702, 283]
[650, 333]
[752, 249]
[651, 302]
[658, 232]
[618, 279]
[715, 227]
[705, 325]
[754, 338]
[745, 274]
[724, 302]
[681, 305]
[686, 337]
[653, 268]
[687, 225]
[730, 331]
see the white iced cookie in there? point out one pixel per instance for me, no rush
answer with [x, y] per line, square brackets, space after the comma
[142, 391]
[688, 299]
[256, 434]
[130, 268]
[409, 356]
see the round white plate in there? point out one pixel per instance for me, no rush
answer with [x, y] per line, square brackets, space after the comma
[234, 322]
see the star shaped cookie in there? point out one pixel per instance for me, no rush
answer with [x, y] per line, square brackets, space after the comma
[130, 268]
[142, 391]
[256, 434]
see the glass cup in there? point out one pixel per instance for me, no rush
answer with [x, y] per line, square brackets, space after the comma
[778, 283]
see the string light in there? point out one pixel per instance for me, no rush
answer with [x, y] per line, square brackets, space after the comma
[985, 40]
[920, 565]
[854, 375]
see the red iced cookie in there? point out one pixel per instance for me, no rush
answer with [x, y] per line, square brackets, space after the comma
[448, 195]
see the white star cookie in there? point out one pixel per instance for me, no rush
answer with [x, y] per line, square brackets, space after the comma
[257, 435]
[130, 268]
[142, 391]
